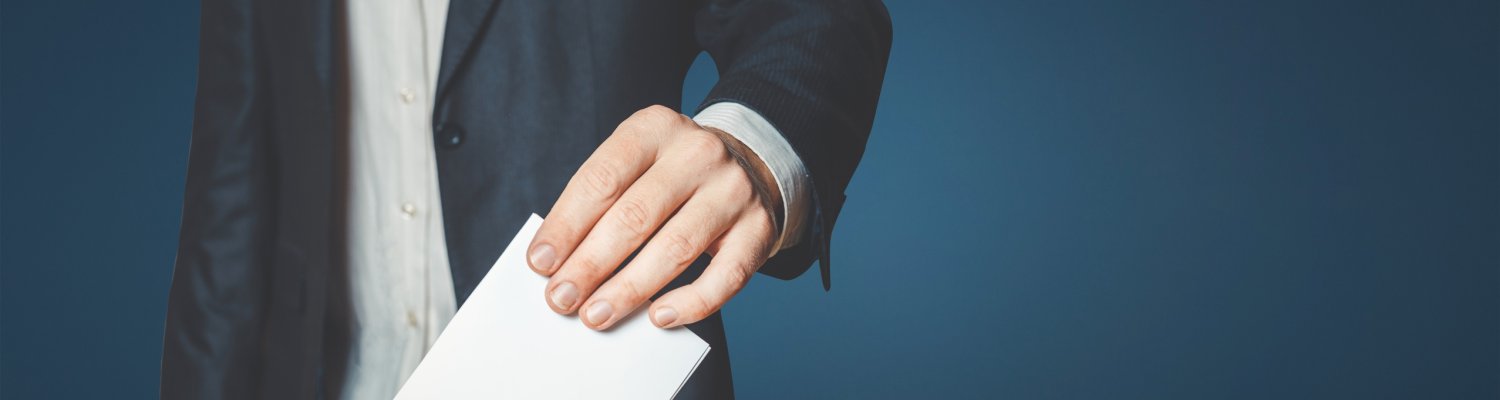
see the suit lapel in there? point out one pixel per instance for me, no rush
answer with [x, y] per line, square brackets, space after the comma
[467, 19]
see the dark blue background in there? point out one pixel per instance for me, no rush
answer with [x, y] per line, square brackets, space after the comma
[1061, 199]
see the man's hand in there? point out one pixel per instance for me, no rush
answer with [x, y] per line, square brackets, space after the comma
[678, 188]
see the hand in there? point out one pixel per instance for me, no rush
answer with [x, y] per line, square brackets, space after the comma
[690, 190]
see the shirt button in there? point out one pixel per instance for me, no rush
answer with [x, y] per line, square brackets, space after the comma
[407, 96]
[411, 318]
[409, 209]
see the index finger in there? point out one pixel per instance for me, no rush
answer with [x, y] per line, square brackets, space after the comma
[618, 162]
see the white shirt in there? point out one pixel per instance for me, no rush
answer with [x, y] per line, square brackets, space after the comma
[400, 282]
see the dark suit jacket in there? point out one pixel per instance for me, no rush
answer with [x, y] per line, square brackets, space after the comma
[527, 89]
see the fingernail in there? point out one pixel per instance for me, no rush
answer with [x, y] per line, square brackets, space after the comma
[542, 257]
[599, 313]
[665, 316]
[564, 295]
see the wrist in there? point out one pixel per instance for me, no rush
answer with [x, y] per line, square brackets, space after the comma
[761, 178]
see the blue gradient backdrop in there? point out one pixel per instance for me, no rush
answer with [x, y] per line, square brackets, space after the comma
[1061, 199]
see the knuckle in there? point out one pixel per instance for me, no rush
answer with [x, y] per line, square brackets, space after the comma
[592, 268]
[633, 129]
[632, 215]
[630, 291]
[656, 115]
[561, 234]
[679, 249]
[602, 180]
[704, 148]
[739, 188]
[659, 111]
[737, 277]
[700, 304]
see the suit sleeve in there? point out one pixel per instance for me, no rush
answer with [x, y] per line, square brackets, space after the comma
[216, 309]
[813, 68]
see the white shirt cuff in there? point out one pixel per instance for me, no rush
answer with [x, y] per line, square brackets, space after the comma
[773, 149]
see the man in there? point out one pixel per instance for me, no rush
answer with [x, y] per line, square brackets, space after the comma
[357, 166]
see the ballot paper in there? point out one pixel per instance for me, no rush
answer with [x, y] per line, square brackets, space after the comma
[505, 343]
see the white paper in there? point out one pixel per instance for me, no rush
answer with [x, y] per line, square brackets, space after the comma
[505, 343]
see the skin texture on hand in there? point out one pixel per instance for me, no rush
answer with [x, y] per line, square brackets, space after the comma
[674, 190]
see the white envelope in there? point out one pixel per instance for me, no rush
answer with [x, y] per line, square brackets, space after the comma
[505, 343]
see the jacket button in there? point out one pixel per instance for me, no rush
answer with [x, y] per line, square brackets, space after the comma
[450, 135]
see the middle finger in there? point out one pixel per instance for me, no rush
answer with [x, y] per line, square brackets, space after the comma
[622, 229]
